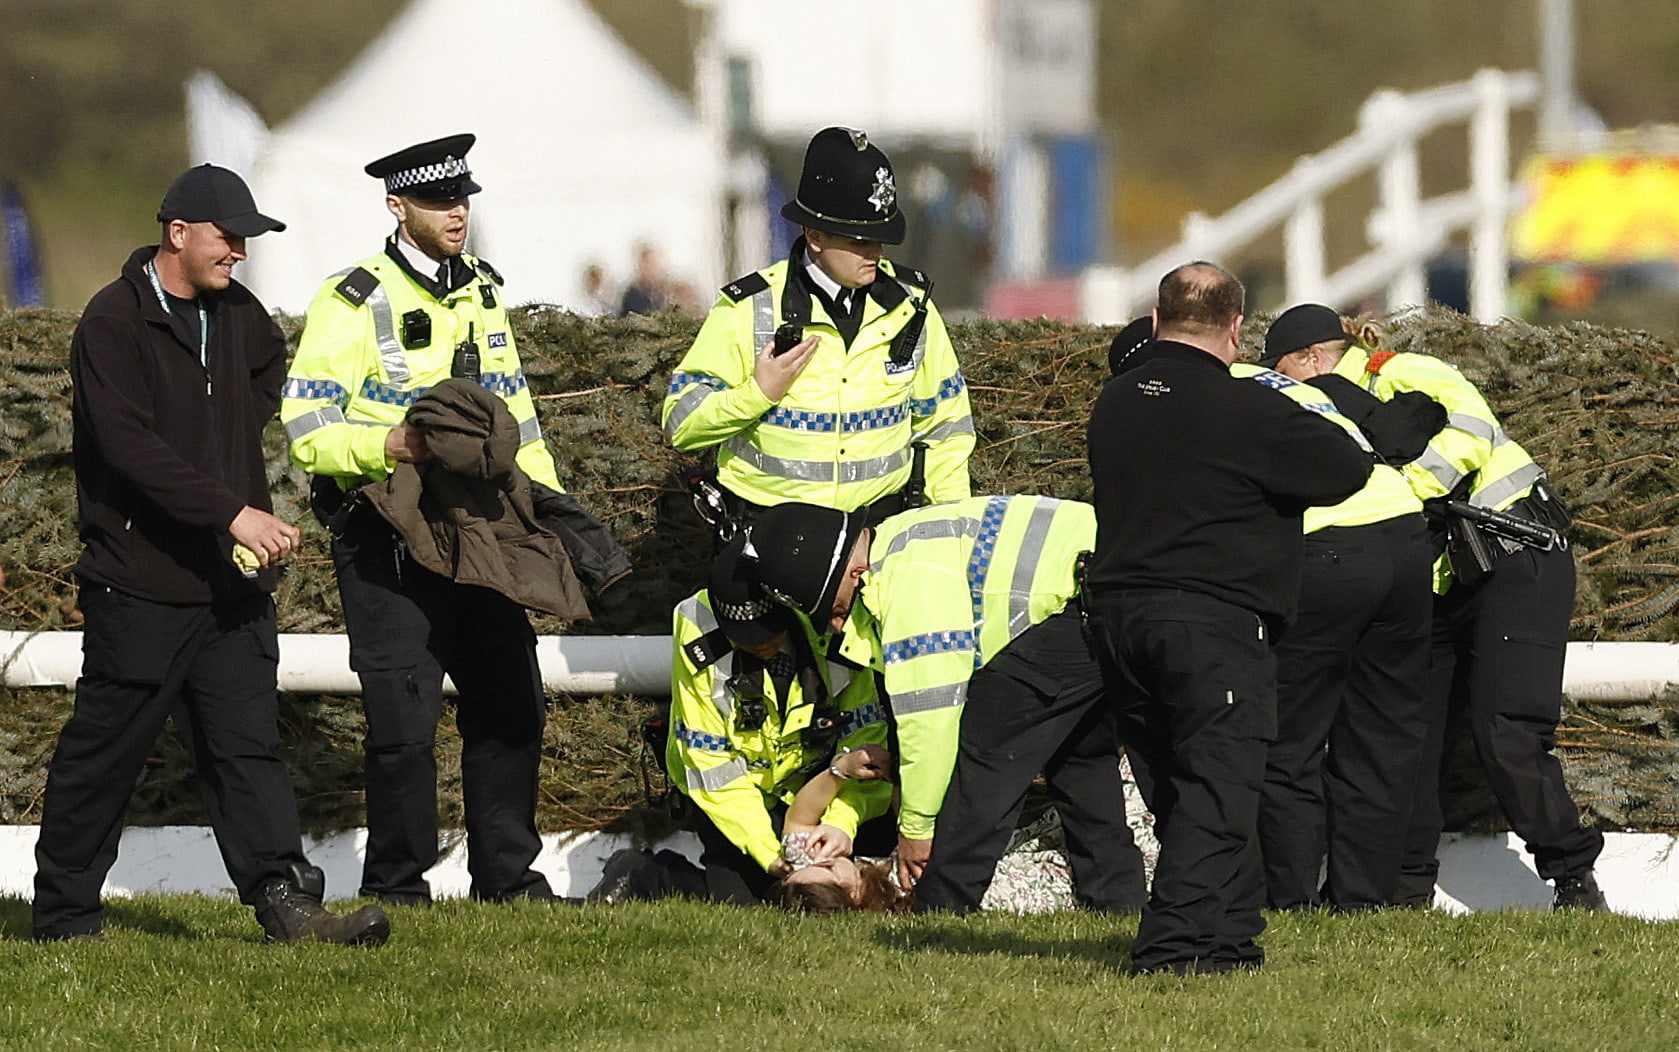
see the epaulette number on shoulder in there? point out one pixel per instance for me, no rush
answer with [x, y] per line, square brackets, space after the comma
[911, 276]
[741, 288]
[357, 285]
[708, 649]
[488, 271]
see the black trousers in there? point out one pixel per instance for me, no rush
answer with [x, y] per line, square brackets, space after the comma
[1039, 706]
[1196, 686]
[1351, 675]
[409, 626]
[1497, 663]
[213, 668]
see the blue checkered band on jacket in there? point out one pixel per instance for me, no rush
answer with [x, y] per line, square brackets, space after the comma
[948, 388]
[810, 420]
[985, 546]
[447, 168]
[505, 384]
[861, 717]
[700, 740]
[928, 643]
[680, 380]
[323, 390]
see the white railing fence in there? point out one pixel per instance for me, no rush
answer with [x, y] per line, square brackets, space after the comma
[1404, 230]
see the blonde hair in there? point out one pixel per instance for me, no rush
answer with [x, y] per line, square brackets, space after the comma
[1365, 331]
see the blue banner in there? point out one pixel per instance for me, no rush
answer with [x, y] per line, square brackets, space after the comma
[23, 262]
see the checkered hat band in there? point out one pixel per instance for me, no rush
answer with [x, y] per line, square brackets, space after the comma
[448, 168]
[751, 610]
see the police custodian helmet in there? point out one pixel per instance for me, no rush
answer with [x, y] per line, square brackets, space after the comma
[802, 552]
[846, 188]
[430, 171]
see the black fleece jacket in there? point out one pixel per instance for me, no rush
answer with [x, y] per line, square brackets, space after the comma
[167, 451]
[1201, 480]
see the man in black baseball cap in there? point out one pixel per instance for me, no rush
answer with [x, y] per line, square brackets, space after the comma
[177, 370]
[208, 194]
[840, 433]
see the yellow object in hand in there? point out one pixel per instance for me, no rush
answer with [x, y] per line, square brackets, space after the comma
[246, 560]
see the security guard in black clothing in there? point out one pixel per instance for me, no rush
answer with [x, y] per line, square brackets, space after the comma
[378, 336]
[862, 405]
[1201, 479]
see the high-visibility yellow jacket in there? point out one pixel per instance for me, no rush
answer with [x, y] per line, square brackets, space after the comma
[948, 587]
[841, 437]
[736, 775]
[375, 340]
[1386, 496]
[1471, 442]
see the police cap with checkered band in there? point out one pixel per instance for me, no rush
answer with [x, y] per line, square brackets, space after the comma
[430, 171]
[745, 613]
[846, 188]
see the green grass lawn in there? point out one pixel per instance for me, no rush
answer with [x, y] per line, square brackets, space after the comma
[187, 972]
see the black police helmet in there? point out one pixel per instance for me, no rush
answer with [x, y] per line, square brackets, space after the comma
[802, 552]
[431, 171]
[846, 188]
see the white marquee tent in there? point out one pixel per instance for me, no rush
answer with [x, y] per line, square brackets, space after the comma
[582, 151]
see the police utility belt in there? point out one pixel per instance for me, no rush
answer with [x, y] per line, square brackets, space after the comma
[1477, 538]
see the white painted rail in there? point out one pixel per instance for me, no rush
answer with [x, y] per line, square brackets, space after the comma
[1405, 229]
[320, 664]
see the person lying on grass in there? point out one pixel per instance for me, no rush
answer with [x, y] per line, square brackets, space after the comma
[819, 875]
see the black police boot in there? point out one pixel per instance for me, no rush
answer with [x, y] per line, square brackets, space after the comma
[289, 910]
[630, 873]
[1580, 893]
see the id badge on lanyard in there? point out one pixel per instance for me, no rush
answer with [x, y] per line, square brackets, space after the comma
[203, 325]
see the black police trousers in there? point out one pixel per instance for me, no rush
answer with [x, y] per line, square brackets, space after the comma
[409, 626]
[1196, 687]
[1038, 706]
[1351, 675]
[213, 668]
[1497, 664]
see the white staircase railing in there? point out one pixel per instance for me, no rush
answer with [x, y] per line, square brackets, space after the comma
[1404, 230]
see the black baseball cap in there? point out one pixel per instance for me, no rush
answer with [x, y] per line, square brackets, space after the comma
[208, 194]
[1300, 327]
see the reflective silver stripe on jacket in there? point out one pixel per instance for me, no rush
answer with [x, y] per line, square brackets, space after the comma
[715, 778]
[931, 530]
[390, 349]
[960, 426]
[299, 426]
[529, 430]
[1474, 425]
[763, 317]
[1026, 568]
[685, 406]
[817, 470]
[703, 619]
[1441, 468]
[1498, 491]
[929, 699]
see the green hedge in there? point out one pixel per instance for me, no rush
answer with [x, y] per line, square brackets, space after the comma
[1598, 407]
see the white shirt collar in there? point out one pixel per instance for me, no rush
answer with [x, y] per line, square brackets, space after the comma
[830, 288]
[422, 263]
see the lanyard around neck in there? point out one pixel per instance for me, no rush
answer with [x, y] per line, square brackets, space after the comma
[203, 316]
